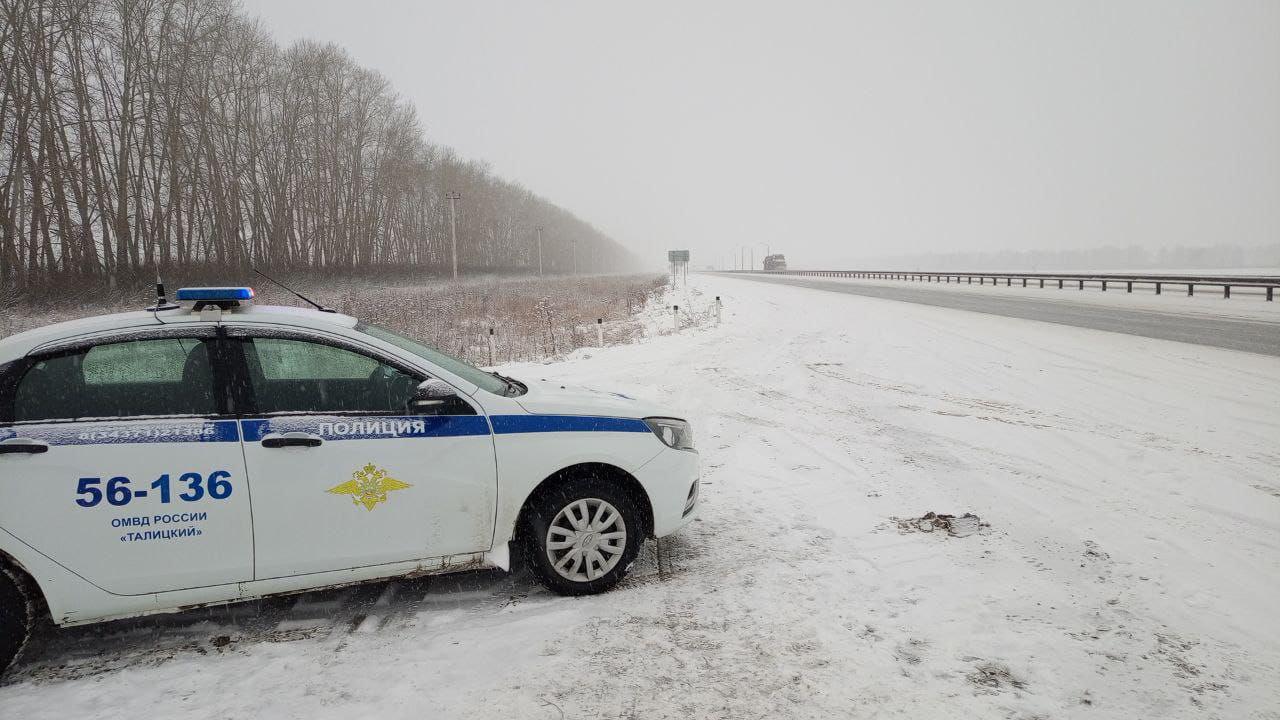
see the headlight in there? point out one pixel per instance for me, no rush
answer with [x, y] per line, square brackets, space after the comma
[672, 432]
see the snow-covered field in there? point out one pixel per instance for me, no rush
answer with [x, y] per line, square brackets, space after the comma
[1130, 566]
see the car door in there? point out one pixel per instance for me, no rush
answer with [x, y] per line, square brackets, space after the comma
[342, 475]
[120, 461]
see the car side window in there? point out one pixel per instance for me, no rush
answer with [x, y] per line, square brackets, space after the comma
[298, 376]
[160, 377]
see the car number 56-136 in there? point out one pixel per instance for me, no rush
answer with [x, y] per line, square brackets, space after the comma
[117, 491]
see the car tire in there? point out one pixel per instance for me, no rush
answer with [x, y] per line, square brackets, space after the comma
[17, 615]
[581, 536]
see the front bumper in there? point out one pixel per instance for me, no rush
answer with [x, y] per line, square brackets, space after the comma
[671, 481]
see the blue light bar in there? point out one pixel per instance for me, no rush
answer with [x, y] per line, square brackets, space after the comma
[214, 294]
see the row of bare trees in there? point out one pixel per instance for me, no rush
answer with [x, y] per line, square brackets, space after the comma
[177, 134]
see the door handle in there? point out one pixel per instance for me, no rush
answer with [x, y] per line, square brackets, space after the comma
[291, 439]
[12, 446]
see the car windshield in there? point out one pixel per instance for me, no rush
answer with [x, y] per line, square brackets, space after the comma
[485, 381]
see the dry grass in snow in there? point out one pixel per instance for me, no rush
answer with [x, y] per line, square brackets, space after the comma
[531, 318]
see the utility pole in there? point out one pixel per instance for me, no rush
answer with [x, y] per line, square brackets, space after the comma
[539, 251]
[453, 228]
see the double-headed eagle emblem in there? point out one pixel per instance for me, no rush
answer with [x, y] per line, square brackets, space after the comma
[369, 486]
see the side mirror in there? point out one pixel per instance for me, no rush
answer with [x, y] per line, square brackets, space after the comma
[437, 397]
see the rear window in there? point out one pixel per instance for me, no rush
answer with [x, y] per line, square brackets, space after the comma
[170, 376]
[147, 362]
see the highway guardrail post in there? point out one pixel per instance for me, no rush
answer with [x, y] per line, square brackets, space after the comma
[1266, 283]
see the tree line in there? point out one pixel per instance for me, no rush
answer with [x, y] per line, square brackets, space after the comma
[176, 134]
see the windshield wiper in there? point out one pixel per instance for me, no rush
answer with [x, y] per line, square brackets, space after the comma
[513, 388]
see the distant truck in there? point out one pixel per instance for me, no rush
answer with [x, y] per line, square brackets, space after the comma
[775, 263]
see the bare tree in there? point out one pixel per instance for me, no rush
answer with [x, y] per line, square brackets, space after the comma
[137, 134]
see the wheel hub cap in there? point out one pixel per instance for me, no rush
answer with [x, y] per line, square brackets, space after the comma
[586, 539]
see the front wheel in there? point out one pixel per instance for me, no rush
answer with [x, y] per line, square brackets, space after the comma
[17, 616]
[581, 537]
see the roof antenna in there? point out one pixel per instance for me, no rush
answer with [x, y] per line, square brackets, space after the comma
[295, 293]
[162, 303]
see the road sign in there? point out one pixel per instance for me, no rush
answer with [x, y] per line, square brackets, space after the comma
[677, 256]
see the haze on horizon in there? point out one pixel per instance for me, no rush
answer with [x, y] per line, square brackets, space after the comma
[841, 131]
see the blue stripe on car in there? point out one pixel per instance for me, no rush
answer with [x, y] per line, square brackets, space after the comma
[507, 424]
[368, 428]
[117, 433]
[327, 427]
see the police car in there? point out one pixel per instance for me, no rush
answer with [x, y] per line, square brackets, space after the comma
[218, 451]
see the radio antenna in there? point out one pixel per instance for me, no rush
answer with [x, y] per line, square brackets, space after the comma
[295, 293]
[162, 303]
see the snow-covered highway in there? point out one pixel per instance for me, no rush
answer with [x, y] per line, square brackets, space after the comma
[1255, 327]
[1129, 565]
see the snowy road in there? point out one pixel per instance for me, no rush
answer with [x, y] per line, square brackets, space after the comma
[1130, 567]
[1259, 335]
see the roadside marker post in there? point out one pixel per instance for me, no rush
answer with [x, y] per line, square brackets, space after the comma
[490, 346]
[675, 317]
[599, 332]
[718, 306]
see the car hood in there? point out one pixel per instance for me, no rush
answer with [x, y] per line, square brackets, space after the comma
[552, 398]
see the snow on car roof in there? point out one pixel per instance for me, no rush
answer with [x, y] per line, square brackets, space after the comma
[16, 346]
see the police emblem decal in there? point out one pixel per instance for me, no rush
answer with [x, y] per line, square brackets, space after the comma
[369, 486]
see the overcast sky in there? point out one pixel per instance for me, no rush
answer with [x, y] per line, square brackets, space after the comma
[834, 131]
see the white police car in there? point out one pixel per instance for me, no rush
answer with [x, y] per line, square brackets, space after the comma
[221, 451]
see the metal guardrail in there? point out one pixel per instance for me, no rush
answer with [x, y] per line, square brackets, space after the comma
[1268, 282]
